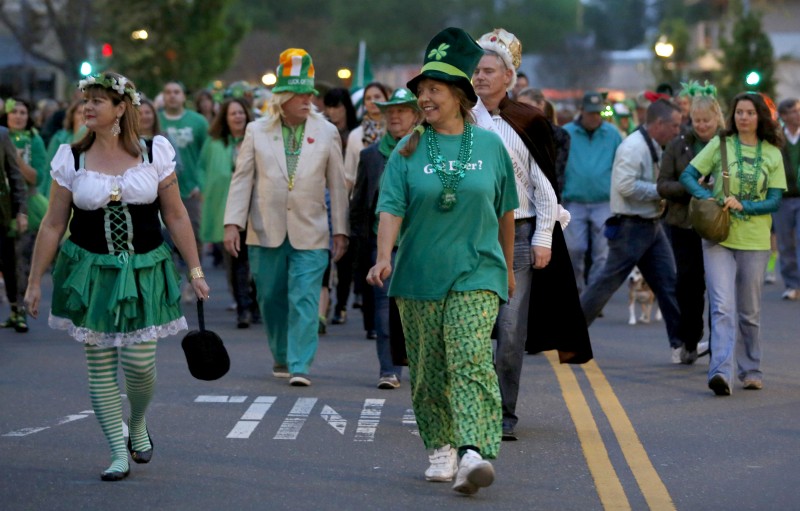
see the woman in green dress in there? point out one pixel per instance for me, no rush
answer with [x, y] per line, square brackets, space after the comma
[218, 160]
[32, 162]
[115, 287]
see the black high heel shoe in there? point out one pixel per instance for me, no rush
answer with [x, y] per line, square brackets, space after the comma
[115, 475]
[139, 456]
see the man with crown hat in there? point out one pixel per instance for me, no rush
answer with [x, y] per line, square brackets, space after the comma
[287, 160]
[450, 187]
[528, 139]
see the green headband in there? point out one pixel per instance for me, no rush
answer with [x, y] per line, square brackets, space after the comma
[693, 88]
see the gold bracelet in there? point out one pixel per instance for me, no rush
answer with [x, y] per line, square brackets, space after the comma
[196, 273]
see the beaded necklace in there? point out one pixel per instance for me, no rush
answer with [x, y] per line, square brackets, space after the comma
[748, 181]
[450, 177]
[292, 143]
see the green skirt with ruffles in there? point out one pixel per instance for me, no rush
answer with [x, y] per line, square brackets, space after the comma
[116, 300]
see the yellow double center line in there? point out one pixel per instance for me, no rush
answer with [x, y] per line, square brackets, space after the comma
[609, 487]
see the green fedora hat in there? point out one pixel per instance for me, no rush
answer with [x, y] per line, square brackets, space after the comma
[451, 56]
[295, 72]
[400, 97]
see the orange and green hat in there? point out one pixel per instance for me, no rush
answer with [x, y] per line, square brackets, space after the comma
[295, 73]
[451, 56]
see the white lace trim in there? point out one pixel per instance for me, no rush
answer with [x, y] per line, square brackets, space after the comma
[117, 339]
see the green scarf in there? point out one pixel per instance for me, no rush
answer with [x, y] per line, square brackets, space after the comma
[387, 144]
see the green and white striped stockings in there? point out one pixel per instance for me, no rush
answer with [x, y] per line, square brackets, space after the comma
[139, 365]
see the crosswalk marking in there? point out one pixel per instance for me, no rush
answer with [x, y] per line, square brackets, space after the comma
[297, 417]
[369, 420]
[220, 399]
[334, 419]
[251, 417]
[62, 420]
[410, 421]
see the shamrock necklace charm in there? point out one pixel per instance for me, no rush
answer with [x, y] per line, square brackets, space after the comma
[450, 177]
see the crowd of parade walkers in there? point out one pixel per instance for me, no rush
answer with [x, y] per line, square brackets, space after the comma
[318, 200]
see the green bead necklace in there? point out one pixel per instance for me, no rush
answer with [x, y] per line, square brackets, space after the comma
[748, 181]
[450, 178]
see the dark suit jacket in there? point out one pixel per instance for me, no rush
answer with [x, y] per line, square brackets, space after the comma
[365, 192]
[362, 218]
[13, 187]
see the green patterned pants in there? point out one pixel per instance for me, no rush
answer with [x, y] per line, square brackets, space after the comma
[454, 386]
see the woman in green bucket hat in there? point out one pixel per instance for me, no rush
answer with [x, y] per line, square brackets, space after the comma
[448, 193]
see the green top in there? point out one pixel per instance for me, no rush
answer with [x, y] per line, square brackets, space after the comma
[457, 250]
[747, 232]
[188, 133]
[218, 161]
[34, 154]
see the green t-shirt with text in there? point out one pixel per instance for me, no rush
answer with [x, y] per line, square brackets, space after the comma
[752, 232]
[457, 250]
[188, 133]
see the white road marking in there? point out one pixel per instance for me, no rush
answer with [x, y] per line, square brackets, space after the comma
[58, 422]
[410, 420]
[334, 419]
[297, 417]
[252, 417]
[369, 420]
[220, 399]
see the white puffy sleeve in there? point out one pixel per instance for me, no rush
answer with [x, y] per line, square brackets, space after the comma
[163, 157]
[62, 168]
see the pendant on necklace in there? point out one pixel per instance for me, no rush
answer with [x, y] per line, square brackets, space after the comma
[447, 200]
[116, 193]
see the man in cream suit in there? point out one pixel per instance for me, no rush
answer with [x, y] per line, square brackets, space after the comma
[287, 160]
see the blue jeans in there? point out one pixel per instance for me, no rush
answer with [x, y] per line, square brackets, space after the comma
[383, 344]
[642, 243]
[734, 279]
[585, 229]
[512, 326]
[787, 228]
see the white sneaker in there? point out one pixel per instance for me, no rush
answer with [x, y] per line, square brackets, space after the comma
[444, 463]
[676, 355]
[790, 294]
[473, 474]
[702, 348]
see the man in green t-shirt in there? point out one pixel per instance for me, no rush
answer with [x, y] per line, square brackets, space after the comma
[188, 130]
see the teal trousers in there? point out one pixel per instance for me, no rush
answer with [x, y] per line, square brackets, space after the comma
[287, 288]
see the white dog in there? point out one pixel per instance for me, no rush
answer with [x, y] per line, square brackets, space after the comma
[639, 292]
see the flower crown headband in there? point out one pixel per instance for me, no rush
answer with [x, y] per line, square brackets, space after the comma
[121, 85]
[694, 88]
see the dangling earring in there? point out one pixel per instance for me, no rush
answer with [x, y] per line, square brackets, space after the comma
[115, 129]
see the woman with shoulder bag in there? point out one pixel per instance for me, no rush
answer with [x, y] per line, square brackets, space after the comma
[735, 267]
[707, 120]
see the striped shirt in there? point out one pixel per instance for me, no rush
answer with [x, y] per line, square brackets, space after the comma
[537, 199]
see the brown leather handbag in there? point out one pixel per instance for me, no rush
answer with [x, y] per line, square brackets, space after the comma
[710, 220]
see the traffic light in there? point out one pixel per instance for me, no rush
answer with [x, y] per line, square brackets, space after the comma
[753, 78]
[106, 50]
[86, 68]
